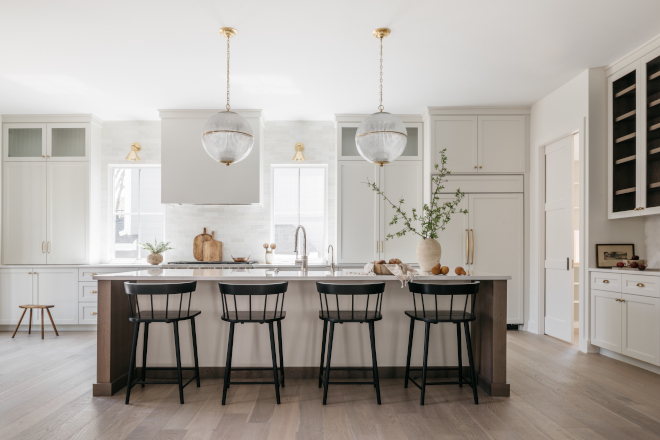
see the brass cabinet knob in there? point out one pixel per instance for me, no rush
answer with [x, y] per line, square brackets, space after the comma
[622, 300]
[475, 167]
[640, 285]
[606, 281]
[93, 291]
[93, 313]
[480, 166]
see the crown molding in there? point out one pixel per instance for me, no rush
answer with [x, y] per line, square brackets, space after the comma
[205, 113]
[44, 119]
[354, 117]
[458, 111]
[633, 56]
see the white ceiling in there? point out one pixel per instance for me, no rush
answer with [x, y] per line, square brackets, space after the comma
[305, 59]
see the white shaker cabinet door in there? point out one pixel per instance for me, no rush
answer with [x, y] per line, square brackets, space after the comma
[24, 213]
[458, 135]
[59, 288]
[496, 243]
[15, 290]
[358, 234]
[400, 180]
[501, 144]
[68, 212]
[455, 238]
[606, 320]
[641, 328]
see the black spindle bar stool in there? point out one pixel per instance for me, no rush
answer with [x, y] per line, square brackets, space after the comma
[461, 311]
[180, 312]
[255, 313]
[331, 312]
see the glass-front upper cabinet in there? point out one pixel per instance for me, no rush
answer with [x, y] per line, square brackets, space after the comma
[39, 142]
[652, 148]
[347, 149]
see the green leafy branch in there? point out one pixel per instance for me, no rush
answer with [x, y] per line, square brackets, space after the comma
[434, 215]
[157, 247]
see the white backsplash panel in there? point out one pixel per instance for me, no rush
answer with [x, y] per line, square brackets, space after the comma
[652, 232]
[242, 228]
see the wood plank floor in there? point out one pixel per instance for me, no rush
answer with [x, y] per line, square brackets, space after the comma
[46, 393]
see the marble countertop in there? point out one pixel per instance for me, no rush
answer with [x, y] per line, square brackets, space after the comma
[282, 275]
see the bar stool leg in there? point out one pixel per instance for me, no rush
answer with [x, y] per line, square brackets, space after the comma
[410, 341]
[327, 364]
[131, 365]
[231, 359]
[426, 356]
[42, 323]
[30, 326]
[274, 355]
[374, 360]
[52, 322]
[178, 359]
[325, 332]
[21, 320]
[194, 338]
[228, 362]
[279, 339]
[144, 352]
[468, 342]
[460, 355]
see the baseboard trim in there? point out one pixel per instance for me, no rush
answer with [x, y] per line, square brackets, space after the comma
[628, 360]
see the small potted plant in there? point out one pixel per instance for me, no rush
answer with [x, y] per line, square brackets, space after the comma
[156, 249]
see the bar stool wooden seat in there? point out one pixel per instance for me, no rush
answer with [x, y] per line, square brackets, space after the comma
[147, 315]
[231, 296]
[30, 307]
[458, 313]
[331, 312]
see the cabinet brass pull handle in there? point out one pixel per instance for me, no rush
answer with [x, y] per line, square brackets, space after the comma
[382, 246]
[376, 245]
[640, 285]
[93, 291]
[622, 300]
[480, 166]
[467, 246]
[472, 250]
[92, 274]
[606, 281]
[617, 299]
[48, 247]
[42, 247]
[567, 263]
[29, 273]
[93, 313]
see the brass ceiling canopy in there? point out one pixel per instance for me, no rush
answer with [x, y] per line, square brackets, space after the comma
[230, 32]
[381, 32]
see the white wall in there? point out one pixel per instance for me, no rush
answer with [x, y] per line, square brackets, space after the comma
[242, 229]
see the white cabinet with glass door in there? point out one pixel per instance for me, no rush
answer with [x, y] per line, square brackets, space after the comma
[43, 141]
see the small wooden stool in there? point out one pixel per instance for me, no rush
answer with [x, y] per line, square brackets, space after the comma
[42, 319]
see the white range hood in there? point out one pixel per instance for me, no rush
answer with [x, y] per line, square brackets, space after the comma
[190, 176]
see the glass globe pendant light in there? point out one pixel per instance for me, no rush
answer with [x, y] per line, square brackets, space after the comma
[227, 136]
[381, 137]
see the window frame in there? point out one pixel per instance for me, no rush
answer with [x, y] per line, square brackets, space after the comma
[286, 258]
[111, 213]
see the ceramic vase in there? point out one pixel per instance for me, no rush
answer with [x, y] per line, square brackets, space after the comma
[154, 259]
[429, 252]
[270, 257]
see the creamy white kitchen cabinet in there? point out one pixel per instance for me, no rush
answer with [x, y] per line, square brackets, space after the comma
[57, 287]
[364, 217]
[478, 143]
[88, 313]
[24, 213]
[347, 148]
[15, 290]
[27, 142]
[626, 319]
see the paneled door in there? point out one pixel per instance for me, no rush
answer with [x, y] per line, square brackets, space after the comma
[59, 288]
[15, 290]
[559, 239]
[458, 135]
[501, 144]
[606, 319]
[24, 213]
[455, 238]
[358, 232]
[68, 211]
[401, 180]
[496, 226]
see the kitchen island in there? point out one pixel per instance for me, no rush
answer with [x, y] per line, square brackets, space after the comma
[301, 330]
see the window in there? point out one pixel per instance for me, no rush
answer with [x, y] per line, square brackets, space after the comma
[137, 214]
[299, 197]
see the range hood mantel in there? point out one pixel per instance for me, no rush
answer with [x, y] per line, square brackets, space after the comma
[191, 177]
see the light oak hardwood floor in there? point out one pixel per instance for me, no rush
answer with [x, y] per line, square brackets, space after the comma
[556, 393]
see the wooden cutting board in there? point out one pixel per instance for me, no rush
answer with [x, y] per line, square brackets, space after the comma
[198, 245]
[212, 249]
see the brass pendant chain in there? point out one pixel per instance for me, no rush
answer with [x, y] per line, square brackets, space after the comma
[228, 106]
[380, 107]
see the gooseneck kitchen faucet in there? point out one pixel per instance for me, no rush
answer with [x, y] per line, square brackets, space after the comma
[303, 258]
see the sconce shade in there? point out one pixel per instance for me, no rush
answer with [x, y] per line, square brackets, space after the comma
[135, 147]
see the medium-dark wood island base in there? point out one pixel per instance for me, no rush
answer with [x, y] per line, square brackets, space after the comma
[115, 332]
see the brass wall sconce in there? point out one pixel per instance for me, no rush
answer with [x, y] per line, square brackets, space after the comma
[299, 152]
[135, 147]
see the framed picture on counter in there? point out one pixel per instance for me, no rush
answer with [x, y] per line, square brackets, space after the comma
[608, 255]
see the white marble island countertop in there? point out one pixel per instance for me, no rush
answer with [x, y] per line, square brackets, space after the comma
[281, 275]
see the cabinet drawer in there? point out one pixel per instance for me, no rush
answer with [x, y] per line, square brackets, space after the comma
[606, 281]
[641, 285]
[88, 291]
[87, 313]
[86, 274]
